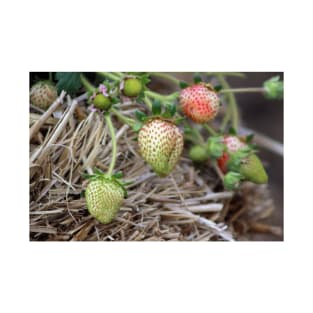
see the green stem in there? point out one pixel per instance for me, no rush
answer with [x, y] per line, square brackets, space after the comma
[165, 76]
[127, 120]
[157, 96]
[109, 76]
[114, 144]
[148, 102]
[242, 90]
[50, 76]
[231, 102]
[236, 74]
[86, 83]
[210, 130]
[119, 74]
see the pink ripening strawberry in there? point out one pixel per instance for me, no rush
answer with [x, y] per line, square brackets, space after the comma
[232, 144]
[161, 144]
[199, 102]
[249, 167]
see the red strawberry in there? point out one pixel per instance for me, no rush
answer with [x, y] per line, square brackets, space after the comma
[199, 102]
[161, 144]
[233, 144]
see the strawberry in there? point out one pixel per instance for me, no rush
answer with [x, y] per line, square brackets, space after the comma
[104, 197]
[240, 158]
[160, 144]
[232, 144]
[199, 102]
[132, 87]
[101, 102]
[43, 94]
[252, 169]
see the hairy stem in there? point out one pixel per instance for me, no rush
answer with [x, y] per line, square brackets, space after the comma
[109, 76]
[242, 90]
[157, 96]
[165, 76]
[210, 130]
[114, 144]
[86, 83]
[234, 115]
[236, 74]
[127, 120]
[148, 102]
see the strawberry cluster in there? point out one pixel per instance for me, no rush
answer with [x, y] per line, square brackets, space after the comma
[160, 139]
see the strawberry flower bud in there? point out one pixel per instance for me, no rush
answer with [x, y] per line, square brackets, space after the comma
[216, 147]
[198, 153]
[232, 180]
[274, 88]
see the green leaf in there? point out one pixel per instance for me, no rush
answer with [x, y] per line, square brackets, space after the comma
[187, 130]
[197, 78]
[232, 131]
[137, 126]
[114, 100]
[97, 171]
[156, 107]
[68, 81]
[141, 116]
[183, 84]
[118, 175]
[249, 138]
[170, 110]
[145, 79]
[218, 88]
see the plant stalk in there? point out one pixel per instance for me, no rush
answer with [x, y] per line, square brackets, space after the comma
[114, 143]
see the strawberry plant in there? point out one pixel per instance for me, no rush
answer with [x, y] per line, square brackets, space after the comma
[200, 118]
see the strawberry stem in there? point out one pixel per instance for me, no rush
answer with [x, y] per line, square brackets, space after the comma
[148, 102]
[165, 76]
[157, 96]
[210, 130]
[109, 76]
[242, 90]
[233, 109]
[86, 83]
[123, 118]
[235, 74]
[114, 143]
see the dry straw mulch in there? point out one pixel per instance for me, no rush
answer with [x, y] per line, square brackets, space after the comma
[190, 204]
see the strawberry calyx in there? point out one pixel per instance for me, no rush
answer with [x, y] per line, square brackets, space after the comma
[163, 112]
[115, 178]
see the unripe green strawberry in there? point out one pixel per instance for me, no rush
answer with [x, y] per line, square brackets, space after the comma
[132, 87]
[251, 168]
[43, 94]
[104, 198]
[101, 102]
[199, 102]
[161, 144]
[198, 153]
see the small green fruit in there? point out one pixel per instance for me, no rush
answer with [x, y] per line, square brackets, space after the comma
[132, 87]
[252, 169]
[198, 154]
[102, 102]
